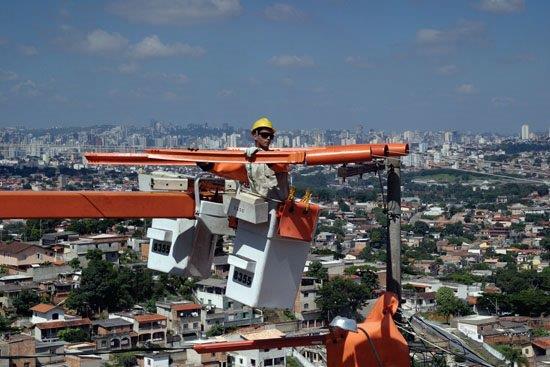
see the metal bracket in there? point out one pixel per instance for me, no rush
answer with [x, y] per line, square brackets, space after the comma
[359, 169]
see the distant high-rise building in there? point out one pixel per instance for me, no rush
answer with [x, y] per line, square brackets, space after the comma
[524, 132]
[448, 137]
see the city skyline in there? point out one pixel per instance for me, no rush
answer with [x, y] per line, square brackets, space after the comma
[478, 66]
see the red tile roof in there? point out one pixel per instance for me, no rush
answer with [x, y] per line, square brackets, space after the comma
[185, 306]
[63, 324]
[543, 343]
[42, 308]
[150, 317]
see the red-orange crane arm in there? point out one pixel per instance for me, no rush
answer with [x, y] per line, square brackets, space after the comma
[227, 156]
[337, 154]
[95, 204]
[133, 159]
[260, 344]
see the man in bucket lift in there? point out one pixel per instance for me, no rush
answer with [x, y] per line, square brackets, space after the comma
[267, 180]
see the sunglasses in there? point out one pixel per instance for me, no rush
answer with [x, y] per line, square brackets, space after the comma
[266, 135]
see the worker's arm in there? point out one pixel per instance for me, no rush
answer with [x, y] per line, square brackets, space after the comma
[232, 171]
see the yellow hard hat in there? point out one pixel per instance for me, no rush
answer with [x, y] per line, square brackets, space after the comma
[262, 122]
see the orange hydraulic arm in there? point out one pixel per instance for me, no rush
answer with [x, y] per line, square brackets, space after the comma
[338, 154]
[95, 204]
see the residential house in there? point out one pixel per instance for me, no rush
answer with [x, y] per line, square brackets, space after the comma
[217, 359]
[86, 360]
[43, 312]
[211, 292]
[154, 360]
[150, 328]
[18, 345]
[8, 292]
[259, 357]
[48, 331]
[305, 307]
[183, 318]
[221, 266]
[20, 255]
[475, 326]
[108, 244]
[113, 334]
[419, 301]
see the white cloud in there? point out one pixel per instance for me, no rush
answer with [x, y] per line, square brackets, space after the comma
[152, 46]
[283, 12]
[7, 75]
[502, 101]
[175, 12]
[224, 93]
[462, 32]
[27, 50]
[289, 82]
[128, 68]
[100, 41]
[172, 78]
[447, 69]
[172, 96]
[26, 88]
[466, 89]
[441, 41]
[359, 62]
[501, 6]
[291, 61]
[180, 78]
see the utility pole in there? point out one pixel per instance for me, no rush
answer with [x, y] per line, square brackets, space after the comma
[393, 245]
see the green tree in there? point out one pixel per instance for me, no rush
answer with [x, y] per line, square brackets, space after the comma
[454, 229]
[24, 301]
[316, 269]
[99, 288]
[540, 332]
[127, 359]
[341, 297]
[216, 330]
[5, 323]
[513, 355]
[369, 279]
[75, 264]
[421, 228]
[449, 305]
[73, 335]
[120, 229]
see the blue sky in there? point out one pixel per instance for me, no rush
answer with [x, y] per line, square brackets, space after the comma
[480, 65]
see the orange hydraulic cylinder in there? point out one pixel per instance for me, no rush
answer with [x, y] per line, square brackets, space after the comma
[95, 204]
[339, 155]
[260, 344]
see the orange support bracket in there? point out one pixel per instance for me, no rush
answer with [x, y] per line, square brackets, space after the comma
[95, 204]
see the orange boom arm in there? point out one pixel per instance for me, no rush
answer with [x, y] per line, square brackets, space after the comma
[95, 204]
[337, 154]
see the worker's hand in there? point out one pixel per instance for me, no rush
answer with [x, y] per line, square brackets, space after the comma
[249, 152]
[205, 166]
